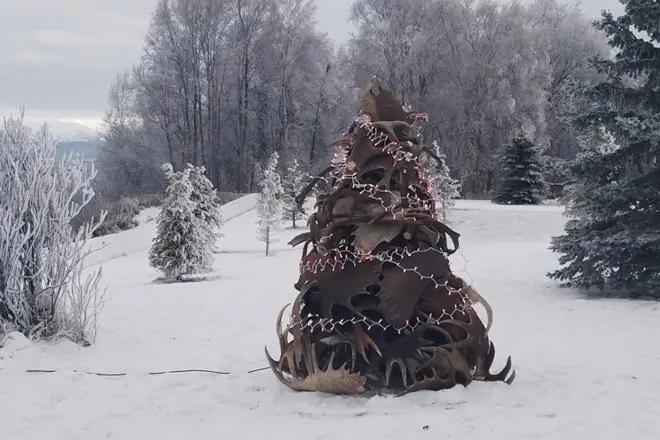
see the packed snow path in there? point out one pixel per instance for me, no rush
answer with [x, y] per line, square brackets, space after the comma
[586, 369]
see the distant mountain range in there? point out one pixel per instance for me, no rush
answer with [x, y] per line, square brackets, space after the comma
[72, 137]
[88, 149]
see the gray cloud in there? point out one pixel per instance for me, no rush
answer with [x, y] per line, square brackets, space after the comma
[594, 7]
[333, 18]
[60, 56]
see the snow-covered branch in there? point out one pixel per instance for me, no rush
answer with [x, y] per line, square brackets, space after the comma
[270, 205]
[44, 289]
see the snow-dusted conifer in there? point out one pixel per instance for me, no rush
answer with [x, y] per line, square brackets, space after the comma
[44, 289]
[612, 240]
[269, 207]
[292, 184]
[521, 174]
[181, 247]
[446, 188]
[597, 140]
[207, 203]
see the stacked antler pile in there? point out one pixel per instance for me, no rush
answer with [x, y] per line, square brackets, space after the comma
[379, 308]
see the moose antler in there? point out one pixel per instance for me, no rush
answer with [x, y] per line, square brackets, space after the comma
[379, 308]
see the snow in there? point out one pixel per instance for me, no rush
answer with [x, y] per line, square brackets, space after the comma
[586, 369]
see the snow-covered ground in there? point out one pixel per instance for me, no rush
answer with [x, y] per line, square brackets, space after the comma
[586, 369]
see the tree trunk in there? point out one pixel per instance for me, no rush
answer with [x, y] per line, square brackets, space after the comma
[316, 122]
[267, 239]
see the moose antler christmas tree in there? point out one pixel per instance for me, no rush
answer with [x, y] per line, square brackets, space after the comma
[378, 307]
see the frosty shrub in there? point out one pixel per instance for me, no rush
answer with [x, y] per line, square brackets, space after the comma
[270, 207]
[44, 289]
[185, 240]
[121, 216]
[294, 181]
[121, 213]
[521, 174]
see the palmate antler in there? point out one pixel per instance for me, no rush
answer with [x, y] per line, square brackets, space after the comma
[378, 308]
[312, 377]
[347, 359]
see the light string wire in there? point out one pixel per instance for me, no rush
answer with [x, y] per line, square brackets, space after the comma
[336, 259]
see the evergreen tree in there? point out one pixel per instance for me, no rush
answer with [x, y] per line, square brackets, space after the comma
[612, 241]
[446, 188]
[269, 207]
[521, 170]
[207, 203]
[181, 246]
[292, 184]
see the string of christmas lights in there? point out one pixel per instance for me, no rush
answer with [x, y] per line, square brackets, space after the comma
[398, 206]
[330, 324]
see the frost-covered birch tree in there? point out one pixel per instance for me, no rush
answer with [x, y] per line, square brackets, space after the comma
[45, 289]
[292, 184]
[446, 188]
[270, 207]
[481, 68]
[182, 248]
[222, 83]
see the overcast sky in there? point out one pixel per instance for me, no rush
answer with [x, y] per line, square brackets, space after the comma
[59, 57]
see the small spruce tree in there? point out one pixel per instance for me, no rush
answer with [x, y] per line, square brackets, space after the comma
[292, 184]
[612, 240]
[446, 188]
[181, 246]
[521, 179]
[207, 203]
[270, 207]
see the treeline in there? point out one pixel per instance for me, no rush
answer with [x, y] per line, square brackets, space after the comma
[225, 83]
[484, 71]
